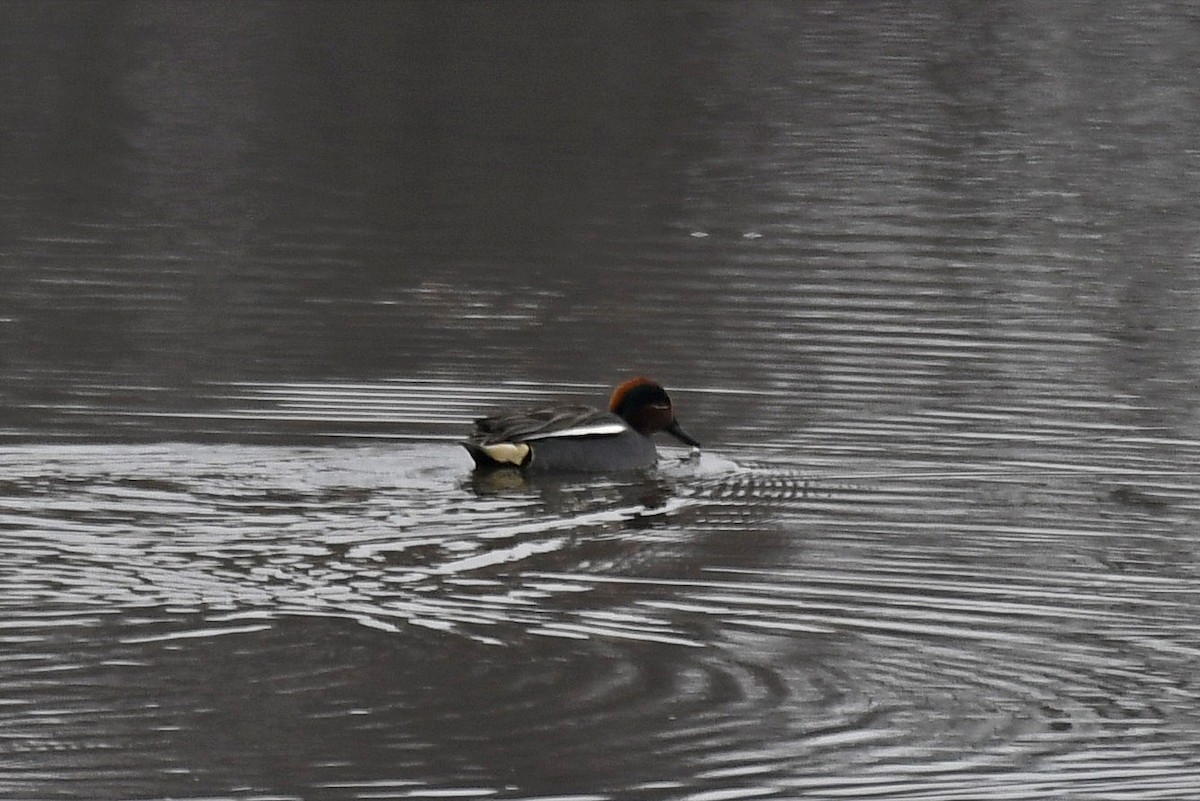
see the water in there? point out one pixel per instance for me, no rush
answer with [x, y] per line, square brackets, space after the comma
[922, 279]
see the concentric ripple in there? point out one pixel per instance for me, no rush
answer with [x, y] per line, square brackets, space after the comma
[735, 631]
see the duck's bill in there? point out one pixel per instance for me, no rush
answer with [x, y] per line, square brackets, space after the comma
[678, 433]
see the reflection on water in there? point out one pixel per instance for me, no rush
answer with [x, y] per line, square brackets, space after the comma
[923, 278]
[290, 620]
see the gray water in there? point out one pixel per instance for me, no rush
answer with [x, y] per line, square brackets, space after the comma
[924, 278]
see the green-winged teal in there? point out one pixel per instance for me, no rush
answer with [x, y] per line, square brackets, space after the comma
[579, 438]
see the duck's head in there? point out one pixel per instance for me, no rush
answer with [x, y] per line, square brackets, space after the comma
[647, 408]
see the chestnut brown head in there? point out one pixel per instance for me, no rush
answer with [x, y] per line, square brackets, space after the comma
[646, 406]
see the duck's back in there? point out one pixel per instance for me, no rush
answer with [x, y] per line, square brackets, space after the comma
[523, 425]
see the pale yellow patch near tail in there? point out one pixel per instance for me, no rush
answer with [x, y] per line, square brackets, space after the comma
[508, 452]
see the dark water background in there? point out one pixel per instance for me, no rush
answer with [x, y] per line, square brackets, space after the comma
[923, 277]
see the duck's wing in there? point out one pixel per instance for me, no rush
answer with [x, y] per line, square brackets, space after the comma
[544, 423]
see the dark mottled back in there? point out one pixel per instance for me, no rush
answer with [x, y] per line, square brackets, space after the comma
[520, 424]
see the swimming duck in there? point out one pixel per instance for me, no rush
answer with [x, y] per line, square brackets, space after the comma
[579, 438]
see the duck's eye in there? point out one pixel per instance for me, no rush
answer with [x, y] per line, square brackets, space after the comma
[662, 407]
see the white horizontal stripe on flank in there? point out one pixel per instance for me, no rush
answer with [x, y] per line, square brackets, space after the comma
[581, 431]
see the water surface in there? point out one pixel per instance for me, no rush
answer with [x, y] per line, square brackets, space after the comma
[922, 279]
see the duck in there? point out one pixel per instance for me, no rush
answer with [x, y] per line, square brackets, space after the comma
[579, 439]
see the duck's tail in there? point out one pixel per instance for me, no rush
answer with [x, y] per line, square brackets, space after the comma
[498, 454]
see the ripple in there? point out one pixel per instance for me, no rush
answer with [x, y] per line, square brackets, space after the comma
[881, 628]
